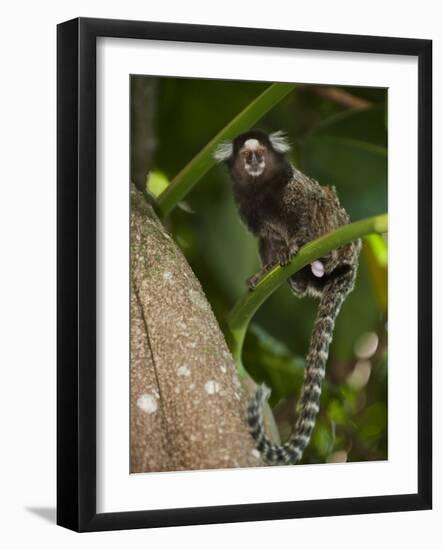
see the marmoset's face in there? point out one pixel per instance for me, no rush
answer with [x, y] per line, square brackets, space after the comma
[253, 156]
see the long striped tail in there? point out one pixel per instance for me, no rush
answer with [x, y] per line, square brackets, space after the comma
[333, 296]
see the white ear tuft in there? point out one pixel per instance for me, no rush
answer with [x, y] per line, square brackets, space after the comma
[280, 142]
[223, 151]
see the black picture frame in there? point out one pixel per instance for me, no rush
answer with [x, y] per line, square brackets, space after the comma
[76, 280]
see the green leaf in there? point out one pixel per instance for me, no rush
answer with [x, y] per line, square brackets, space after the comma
[323, 438]
[156, 182]
[231, 252]
[376, 255]
[379, 248]
[270, 360]
[372, 422]
[336, 412]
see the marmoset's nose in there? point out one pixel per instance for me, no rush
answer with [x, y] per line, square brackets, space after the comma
[255, 159]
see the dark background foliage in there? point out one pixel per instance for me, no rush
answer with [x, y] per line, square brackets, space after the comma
[339, 137]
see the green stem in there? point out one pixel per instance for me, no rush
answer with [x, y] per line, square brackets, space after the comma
[185, 180]
[242, 313]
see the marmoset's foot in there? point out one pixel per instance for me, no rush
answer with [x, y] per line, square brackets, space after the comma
[252, 281]
[284, 257]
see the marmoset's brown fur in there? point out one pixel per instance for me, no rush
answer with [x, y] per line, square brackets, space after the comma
[285, 210]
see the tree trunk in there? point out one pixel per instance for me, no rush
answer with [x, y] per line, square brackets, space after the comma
[188, 407]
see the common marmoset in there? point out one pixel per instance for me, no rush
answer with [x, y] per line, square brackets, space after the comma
[285, 210]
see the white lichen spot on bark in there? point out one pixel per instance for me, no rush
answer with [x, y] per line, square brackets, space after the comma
[256, 453]
[147, 403]
[183, 371]
[212, 387]
[198, 299]
[167, 276]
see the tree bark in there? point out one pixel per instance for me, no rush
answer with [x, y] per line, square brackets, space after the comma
[188, 407]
